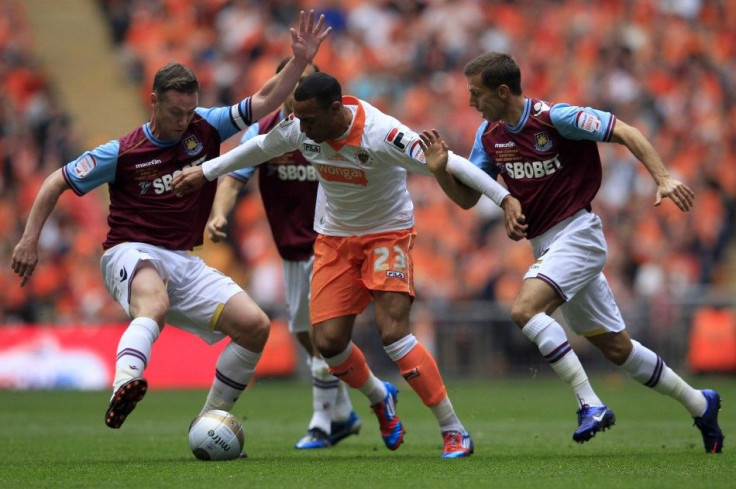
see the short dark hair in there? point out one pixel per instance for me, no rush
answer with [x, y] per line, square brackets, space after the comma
[496, 69]
[284, 61]
[320, 86]
[175, 76]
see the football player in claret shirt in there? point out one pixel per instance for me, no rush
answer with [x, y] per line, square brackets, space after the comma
[363, 250]
[548, 158]
[147, 266]
[288, 186]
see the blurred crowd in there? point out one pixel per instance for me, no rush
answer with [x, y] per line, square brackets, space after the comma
[665, 66]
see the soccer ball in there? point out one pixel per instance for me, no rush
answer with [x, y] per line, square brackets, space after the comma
[216, 435]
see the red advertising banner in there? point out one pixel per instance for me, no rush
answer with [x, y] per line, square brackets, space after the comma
[83, 357]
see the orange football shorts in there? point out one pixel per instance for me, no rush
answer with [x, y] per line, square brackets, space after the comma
[347, 269]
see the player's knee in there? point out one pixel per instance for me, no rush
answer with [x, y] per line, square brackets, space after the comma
[251, 333]
[392, 336]
[320, 370]
[521, 313]
[616, 352]
[329, 346]
[154, 305]
[260, 328]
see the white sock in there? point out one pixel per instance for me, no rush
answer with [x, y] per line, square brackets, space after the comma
[552, 342]
[235, 368]
[399, 349]
[445, 414]
[134, 350]
[324, 394]
[343, 405]
[373, 388]
[646, 367]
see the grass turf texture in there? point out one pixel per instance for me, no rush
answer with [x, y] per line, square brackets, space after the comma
[522, 429]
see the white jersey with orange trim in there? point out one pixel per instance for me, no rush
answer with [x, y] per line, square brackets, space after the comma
[363, 174]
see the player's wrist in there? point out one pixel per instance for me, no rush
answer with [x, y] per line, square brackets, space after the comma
[208, 171]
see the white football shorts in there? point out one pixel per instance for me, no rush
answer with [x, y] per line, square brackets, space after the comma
[197, 292]
[570, 258]
[297, 280]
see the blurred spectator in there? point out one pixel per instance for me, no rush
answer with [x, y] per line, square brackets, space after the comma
[36, 138]
[667, 66]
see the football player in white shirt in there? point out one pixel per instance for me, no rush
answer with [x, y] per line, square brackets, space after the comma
[366, 234]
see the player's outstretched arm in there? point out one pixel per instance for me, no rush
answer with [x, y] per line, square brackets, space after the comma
[25, 254]
[642, 149]
[247, 154]
[225, 198]
[436, 153]
[304, 44]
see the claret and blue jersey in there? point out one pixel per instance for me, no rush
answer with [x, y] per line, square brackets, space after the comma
[139, 168]
[548, 160]
[288, 186]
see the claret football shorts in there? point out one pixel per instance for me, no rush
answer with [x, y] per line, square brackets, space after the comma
[347, 269]
[197, 292]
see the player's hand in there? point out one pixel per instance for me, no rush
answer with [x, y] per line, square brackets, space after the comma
[25, 258]
[678, 192]
[435, 151]
[514, 219]
[216, 227]
[188, 181]
[305, 43]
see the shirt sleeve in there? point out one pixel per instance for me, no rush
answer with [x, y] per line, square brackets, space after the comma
[245, 174]
[478, 155]
[401, 146]
[281, 139]
[93, 168]
[582, 123]
[228, 121]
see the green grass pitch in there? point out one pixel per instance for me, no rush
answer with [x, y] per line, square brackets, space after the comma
[522, 429]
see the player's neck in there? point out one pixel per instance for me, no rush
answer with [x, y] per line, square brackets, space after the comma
[515, 111]
[345, 121]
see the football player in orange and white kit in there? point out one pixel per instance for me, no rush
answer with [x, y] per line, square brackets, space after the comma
[365, 237]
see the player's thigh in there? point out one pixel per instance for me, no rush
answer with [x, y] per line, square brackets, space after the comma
[244, 321]
[148, 295]
[332, 336]
[535, 296]
[593, 310]
[392, 315]
[199, 297]
[121, 265]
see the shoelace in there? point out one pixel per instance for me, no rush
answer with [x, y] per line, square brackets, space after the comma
[455, 442]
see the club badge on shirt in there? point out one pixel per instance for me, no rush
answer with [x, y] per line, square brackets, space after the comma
[542, 142]
[192, 145]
